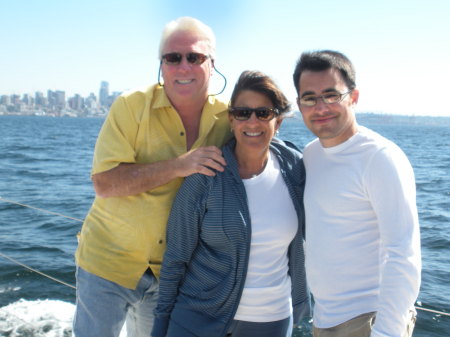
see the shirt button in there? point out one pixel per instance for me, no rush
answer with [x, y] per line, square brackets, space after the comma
[181, 133]
[160, 242]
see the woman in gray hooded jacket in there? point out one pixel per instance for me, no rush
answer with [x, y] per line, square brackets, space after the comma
[234, 264]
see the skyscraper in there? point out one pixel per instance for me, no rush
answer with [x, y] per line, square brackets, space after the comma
[39, 99]
[60, 97]
[104, 93]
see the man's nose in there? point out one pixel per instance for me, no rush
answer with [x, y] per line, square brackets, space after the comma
[320, 105]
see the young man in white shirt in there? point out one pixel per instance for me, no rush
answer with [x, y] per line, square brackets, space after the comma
[362, 248]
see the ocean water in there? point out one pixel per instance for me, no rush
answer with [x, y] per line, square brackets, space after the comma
[45, 163]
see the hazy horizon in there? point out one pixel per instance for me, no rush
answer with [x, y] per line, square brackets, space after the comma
[399, 48]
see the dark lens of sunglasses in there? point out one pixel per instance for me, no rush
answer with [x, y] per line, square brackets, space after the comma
[264, 114]
[196, 58]
[173, 58]
[243, 114]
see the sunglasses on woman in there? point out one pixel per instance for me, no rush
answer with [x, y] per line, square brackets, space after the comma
[244, 113]
[175, 59]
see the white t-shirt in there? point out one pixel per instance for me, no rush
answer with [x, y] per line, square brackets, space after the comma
[267, 290]
[362, 232]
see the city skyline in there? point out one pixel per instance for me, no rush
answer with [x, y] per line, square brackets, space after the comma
[57, 103]
[95, 92]
[97, 106]
[399, 48]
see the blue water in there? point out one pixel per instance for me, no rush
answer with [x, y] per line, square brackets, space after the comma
[45, 162]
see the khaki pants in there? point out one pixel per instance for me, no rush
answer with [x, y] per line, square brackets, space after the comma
[360, 326]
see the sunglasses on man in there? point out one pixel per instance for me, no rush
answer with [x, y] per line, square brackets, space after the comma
[244, 113]
[175, 58]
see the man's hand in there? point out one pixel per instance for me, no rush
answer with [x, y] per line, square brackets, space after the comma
[203, 160]
[131, 179]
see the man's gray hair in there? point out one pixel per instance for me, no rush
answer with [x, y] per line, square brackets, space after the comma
[189, 24]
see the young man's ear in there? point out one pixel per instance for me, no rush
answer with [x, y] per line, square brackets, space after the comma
[355, 96]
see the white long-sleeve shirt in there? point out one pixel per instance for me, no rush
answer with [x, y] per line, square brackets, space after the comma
[362, 232]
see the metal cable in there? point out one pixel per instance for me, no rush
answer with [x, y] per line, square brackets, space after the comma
[36, 271]
[39, 209]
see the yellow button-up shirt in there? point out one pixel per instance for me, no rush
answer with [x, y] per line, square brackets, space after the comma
[123, 236]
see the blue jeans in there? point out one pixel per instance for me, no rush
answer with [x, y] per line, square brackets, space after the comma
[282, 328]
[103, 306]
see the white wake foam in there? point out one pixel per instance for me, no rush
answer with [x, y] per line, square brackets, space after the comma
[37, 318]
[43, 318]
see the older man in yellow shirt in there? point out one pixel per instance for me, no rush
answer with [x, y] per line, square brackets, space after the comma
[151, 139]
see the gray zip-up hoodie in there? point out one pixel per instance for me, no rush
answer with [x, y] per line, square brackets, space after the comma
[208, 240]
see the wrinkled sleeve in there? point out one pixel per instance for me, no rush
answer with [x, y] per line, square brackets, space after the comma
[116, 140]
[391, 187]
[183, 230]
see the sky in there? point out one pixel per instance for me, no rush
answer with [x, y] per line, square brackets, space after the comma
[400, 48]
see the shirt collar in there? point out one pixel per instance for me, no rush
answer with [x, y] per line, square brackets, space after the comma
[162, 101]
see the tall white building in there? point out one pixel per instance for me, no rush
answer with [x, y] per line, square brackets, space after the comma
[104, 93]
